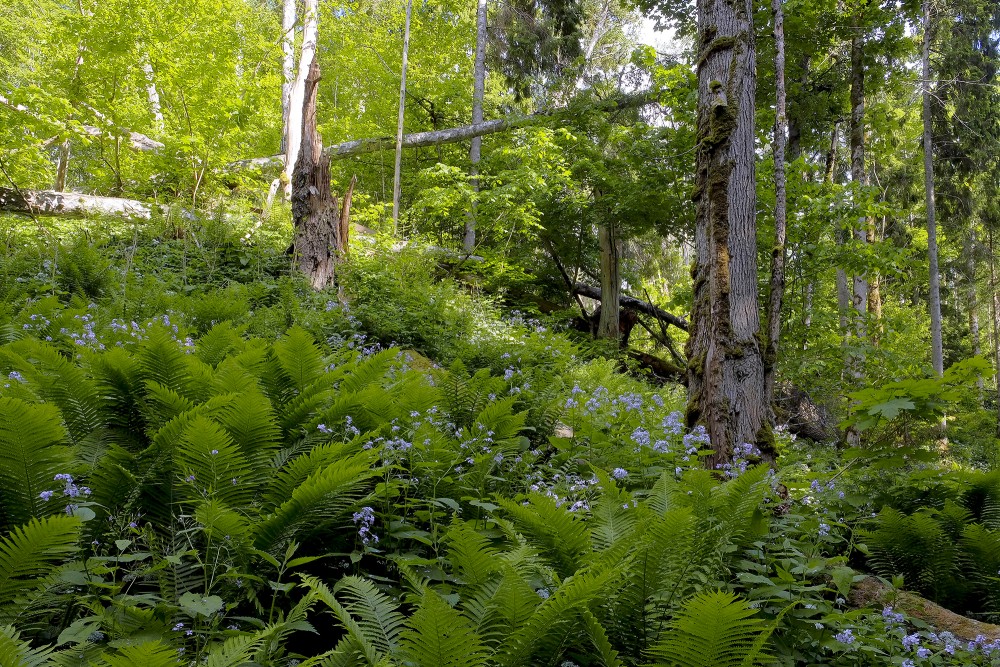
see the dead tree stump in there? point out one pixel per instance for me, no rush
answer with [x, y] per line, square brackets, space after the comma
[318, 231]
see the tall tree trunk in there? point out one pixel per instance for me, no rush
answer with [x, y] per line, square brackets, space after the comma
[287, 66]
[858, 174]
[839, 236]
[995, 290]
[934, 295]
[609, 325]
[396, 186]
[315, 212]
[726, 368]
[293, 129]
[972, 298]
[777, 287]
[478, 92]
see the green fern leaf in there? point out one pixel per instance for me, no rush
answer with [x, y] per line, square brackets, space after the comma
[148, 654]
[32, 452]
[15, 652]
[714, 629]
[31, 551]
[378, 616]
[438, 636]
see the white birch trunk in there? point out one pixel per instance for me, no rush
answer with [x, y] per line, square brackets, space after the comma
[152, 94]
[396, 186]
[293, 136]
[287, 65]
[478, 92]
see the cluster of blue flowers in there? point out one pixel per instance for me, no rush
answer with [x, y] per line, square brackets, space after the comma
[70, 490]
[364, 520]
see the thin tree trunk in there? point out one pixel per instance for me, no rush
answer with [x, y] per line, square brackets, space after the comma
[315, 212]
[152, 94]
[995, 290]
[611, 282]
[287, 65]
[831, 155]
[396, 186]
[62, 166]
[293, 129]
[972, 298]
[858, 174]
[843, 291]
[934, 296]
[725, 367]
[777, 287]
[478, 92]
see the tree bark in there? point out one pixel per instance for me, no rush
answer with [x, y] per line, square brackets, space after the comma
[293, 129]
[396, 185]
[934, 295]
[611, 283]
[478, 92]
[777, 286]
[725, 367]
[287, 65]
[315, 212]
[995, 290]
[972, 298]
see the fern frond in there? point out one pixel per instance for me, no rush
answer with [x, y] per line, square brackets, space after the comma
[438, 636]
[321, 497]
[714, 629]
[354, 630]
[378, 616]
[299, 357]
[560, 536]
[15, 652]
[148, 654]
[31, 551]
[32, 452]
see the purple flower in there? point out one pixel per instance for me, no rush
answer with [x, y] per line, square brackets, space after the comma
[923, 652]
[845, 637]
[46, 495]
[214, 452]
[619, 473]
[640, 436]
[824, 529]
[909, 641]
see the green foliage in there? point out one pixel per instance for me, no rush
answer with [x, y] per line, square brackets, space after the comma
[715, 628]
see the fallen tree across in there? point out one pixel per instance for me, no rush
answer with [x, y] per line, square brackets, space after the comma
[137, 141]
[70, 204]
[448, 136]
[632, 303]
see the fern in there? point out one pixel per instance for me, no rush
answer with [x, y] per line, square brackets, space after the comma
[438, 636]
[560, 535]
[15, 652]
[31, 551]
[148, 654]
[299, 358]
[320, 498]
[714, 629]
[378, 616]
[32, 452]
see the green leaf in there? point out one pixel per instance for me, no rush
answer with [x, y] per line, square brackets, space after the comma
[198, 605]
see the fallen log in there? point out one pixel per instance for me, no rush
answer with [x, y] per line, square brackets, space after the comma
[644, 307]
[137, 141]
[447, 136]
[870, 592]
[70, 204]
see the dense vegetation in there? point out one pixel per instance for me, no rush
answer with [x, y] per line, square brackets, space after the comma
[482, 413]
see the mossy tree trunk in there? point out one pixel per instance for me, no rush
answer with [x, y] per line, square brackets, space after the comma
[725, 368]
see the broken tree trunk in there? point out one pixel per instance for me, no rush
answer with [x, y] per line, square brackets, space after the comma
[314, 206]
[644, 307]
